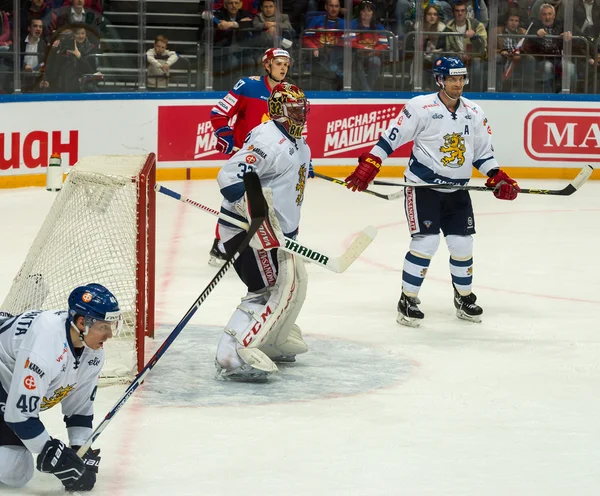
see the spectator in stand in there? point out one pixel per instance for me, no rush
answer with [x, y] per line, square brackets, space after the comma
[586, 18]
[547, 45]
[477, 9]
[37, 9]
[6, 60]
[33, 52]
[233, 38]
[272, 24]
[405, 14]
[326, 47]
[72, 63]
[368, 47]
[537, 7]
[524, 8]
[93, 5]
[76, 13]
[471, 47]
[433, 45]
[510, 60]
[159, 62]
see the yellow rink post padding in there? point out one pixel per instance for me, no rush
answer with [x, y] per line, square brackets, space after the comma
[182, 174]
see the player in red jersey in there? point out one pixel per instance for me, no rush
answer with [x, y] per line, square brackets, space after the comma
[241, 110]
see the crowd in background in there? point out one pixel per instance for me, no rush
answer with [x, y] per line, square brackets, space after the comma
[393, 44]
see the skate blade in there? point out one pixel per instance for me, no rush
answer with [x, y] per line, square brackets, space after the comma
[469, 318]
[407, 321]
[257, 378]
[284, 359]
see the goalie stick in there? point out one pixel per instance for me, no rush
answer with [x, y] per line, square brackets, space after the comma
[569, 189]
[334, 264]
[257, 206]
[393, 196]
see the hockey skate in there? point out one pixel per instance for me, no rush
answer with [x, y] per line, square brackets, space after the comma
[408, 311]
[245, 373]
[466, 308]
[217, 257]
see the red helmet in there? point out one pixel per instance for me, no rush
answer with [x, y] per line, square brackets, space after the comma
[273, 53]
[288, 106]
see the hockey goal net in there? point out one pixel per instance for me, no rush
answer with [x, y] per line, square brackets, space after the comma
[100, 228]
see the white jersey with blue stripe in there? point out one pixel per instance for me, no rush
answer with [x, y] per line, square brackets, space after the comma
[446, 144]
[39, 368]
[281, 163]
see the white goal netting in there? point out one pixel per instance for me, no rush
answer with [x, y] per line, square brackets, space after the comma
[98, 230]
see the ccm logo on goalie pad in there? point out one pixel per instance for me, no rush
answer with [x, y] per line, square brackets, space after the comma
[257, 327]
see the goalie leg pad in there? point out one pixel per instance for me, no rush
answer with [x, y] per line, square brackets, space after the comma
[234, 362]
[285, 341]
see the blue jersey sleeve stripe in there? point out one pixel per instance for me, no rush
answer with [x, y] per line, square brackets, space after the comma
[29, 429]
[478, 163]
[79, 421]
[235, 215]
[385, 146]
[234, 192]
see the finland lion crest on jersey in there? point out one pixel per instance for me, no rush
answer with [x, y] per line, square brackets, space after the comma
[454, 145]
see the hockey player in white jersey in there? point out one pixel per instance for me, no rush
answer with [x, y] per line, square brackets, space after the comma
[262, 329]
[451, 136]
[46, 358]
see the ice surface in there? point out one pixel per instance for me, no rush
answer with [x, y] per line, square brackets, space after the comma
[506, 407]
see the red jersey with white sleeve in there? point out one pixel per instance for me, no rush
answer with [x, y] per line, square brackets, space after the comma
[243, 108]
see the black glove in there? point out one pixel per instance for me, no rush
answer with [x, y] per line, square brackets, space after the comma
[86, 482]
[58, 459]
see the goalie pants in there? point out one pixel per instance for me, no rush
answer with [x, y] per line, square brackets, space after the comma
[257, 269]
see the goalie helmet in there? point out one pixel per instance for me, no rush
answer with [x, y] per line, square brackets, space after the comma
[95, 303]
[288, 106]
[449, 66]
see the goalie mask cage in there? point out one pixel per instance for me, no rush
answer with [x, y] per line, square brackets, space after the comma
[101, 228]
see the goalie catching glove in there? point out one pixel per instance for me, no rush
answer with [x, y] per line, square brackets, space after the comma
[76, 474]
[368, 167]
[505, 188]
[269, 234]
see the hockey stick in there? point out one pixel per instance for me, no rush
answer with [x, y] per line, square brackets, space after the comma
[569, 189]
[393, 196]
[334, 264]
[257, 205]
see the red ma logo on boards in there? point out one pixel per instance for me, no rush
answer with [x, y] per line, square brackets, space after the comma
[33, 149]
[559, 134]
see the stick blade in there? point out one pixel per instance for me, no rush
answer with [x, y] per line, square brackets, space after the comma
[356, 248]
[582, 177]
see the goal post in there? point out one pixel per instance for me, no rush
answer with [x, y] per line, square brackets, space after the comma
[101, 228]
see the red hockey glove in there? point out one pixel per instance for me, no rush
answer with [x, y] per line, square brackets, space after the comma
[224, 140]
[368, 167]
[505, 188]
